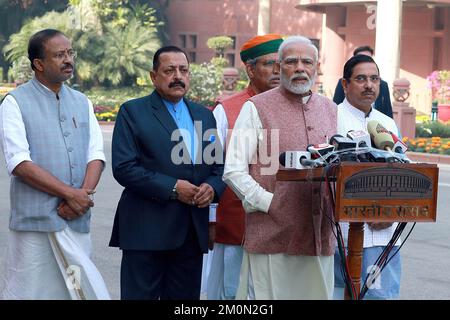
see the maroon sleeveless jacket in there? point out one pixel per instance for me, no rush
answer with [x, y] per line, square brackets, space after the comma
[295, 223]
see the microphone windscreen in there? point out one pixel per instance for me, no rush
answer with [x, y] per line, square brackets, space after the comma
[381, 137]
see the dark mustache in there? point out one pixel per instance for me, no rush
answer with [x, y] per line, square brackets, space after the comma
[177, 83]
[368, 91]
[67, 65]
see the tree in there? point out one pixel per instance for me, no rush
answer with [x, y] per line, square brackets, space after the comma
[128, 53]
[85, 42]
[18, 42]
[20, 70]
[128, 42]
[114, 45]
[13, 13]
[161, 13]
[219, 44]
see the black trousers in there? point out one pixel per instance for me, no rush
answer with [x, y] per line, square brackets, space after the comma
[166, 275]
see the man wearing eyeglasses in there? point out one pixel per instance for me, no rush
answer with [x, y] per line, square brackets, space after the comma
[288, 241]
[383, 101]
[259, 55]
[53, 149]
[361, 83]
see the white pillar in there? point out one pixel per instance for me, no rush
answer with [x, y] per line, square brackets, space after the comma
[332, 48]
[264, 17]
[387, 44]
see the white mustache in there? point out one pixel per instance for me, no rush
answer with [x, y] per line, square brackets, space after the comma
[298, 75]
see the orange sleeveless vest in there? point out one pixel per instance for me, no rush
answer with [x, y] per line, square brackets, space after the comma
[230, 214]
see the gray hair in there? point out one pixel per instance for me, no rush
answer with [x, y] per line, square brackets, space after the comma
[297, 39]
[252, 62]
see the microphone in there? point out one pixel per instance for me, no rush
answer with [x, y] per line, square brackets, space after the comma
[361, 138]
[383, 140]
[399, 146]
[381, 137]
[319, 150]
[296, 160]
[340, 143]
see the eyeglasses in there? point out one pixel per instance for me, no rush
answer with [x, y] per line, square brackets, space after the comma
[361, 79]
[62, 54]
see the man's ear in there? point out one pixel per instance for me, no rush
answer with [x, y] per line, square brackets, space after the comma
[38, 65]
[344, 83]
[250, 71]
[153, 76]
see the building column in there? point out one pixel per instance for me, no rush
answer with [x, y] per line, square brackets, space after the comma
[387, 43]
[264, 17]
[332, 49]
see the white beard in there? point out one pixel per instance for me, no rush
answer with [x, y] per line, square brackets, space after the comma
[297, 88]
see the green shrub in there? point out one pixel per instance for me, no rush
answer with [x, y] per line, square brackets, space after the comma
[205, 83]
[112, 97]
[430, 129]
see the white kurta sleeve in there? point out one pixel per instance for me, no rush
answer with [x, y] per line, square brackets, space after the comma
[13, 135]
[95, 151]
[222, 123]
[242, 148]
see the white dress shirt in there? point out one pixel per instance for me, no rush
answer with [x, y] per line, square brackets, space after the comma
[14, 141]
[351, 118]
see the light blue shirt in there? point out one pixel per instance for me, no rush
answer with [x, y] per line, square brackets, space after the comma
[180, 113]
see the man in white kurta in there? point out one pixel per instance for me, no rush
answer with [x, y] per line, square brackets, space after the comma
[52, 180]
[287, 239]
[361, 85]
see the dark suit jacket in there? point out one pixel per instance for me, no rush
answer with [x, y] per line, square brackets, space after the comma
[382, 104]
[146, 219]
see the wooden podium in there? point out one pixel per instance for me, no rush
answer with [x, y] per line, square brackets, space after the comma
[375, 192]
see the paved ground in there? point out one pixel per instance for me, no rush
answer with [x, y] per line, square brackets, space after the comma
[426, 255]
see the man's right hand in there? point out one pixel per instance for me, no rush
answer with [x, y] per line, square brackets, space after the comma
[186, 191]
[79, 201]
[66, 212]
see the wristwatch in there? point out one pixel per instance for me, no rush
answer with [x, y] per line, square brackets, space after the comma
[174, 194]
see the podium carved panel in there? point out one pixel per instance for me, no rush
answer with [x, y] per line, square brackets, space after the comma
[387, 192]
[370, 192]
